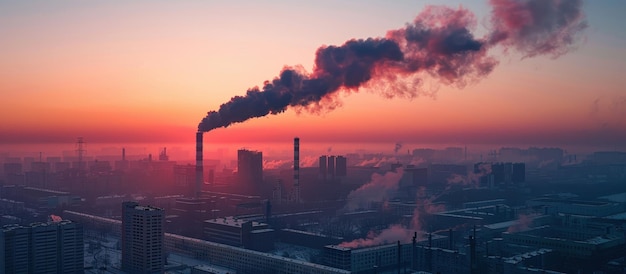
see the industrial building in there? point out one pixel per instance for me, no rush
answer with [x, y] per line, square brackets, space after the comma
[240, 233]
[422, 255]
[576, 207]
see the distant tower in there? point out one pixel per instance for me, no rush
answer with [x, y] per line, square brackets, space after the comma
[296, 169]
[331, 168]
[199, 164]
[80, 149]
[341, 166]
[323, 167]
[163, 155]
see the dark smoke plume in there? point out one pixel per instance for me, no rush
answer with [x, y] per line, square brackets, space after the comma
[547, 27]
[438, 43]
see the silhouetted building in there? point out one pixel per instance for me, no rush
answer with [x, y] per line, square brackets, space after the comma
[441, 173]
[609, 157]
[14, 174]
[61, 166]
[332, 167]
[100, 166]
[508, 173]
[426, 154]
[40, 167]
[341, 166]
[13, 168]
[453, 153]
[492, 174]
[250, 166]
[323, 167]
[415, 176]
[142, 238]
[185, 177]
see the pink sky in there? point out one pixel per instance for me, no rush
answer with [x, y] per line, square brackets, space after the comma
[113, 71]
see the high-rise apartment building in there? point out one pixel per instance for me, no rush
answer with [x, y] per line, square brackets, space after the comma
[341, 166]
[250, 166]
[53, 247]
[16, 247]
[142, 238]
[323, 167]
[331, 167]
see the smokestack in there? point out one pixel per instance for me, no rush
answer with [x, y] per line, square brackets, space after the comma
[296, 168]
[123, 154]
[199, 164]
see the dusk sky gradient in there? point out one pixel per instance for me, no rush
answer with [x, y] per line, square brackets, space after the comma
[148, 71]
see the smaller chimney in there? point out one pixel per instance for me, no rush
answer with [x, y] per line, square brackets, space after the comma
[296, 169]
[199, 165]
[123, 154]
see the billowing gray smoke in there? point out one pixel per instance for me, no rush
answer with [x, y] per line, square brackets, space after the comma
[438, 43]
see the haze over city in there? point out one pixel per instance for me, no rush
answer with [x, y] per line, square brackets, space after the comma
[313, 137]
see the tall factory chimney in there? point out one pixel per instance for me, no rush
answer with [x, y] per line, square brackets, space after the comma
[199, 164]
[296, 169]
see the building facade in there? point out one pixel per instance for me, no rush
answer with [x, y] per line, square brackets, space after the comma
[250, 166]
[142, 238]
[53, 247]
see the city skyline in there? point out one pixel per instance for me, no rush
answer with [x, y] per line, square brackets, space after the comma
[117, 72]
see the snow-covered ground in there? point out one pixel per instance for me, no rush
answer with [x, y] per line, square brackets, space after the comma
[103, 255]
[295, 252]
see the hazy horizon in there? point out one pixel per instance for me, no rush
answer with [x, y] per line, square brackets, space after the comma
[154, 72]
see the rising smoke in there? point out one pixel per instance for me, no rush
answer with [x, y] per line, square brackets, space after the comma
[523, 222]
[472, 179]
[537, 27]
[379, 189]
[438, 44]
[378, 161]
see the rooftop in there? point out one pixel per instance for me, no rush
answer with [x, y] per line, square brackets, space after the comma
[573, 202]
[231, 221]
